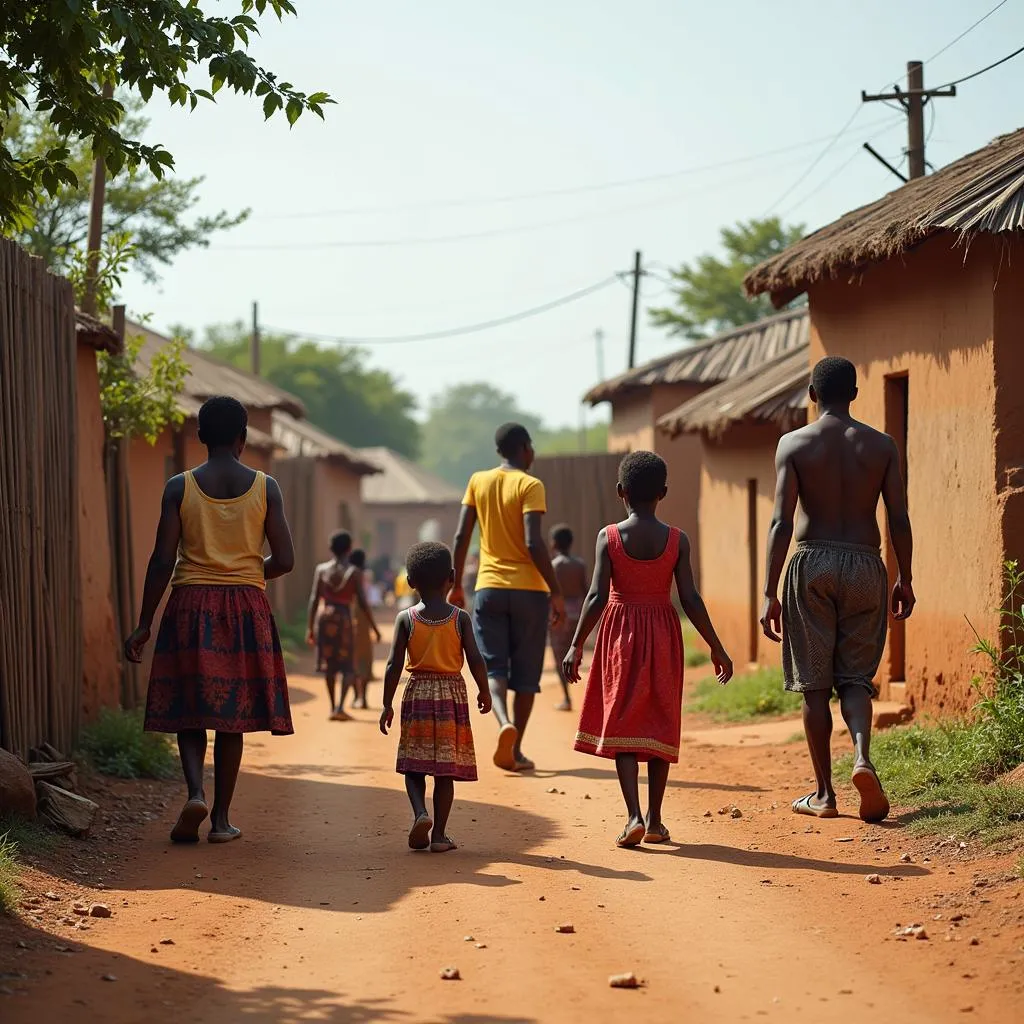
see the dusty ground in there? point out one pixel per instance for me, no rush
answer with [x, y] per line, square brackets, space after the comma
[321, 913]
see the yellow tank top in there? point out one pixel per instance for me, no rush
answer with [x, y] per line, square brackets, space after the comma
[435, 647]
[222, 538]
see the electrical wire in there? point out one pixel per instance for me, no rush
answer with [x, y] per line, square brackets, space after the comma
[966, 31]
[545, 193]
[981, 71]
[454, 332]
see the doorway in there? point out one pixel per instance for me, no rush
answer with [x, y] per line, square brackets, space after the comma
[897, 406]
[752, 569]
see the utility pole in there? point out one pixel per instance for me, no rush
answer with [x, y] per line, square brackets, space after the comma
[94, 241]
[599, 346]
[254, 341]
[637, 273]
[913, 102]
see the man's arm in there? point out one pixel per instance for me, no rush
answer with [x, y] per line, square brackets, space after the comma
[314, 601]
[463, 535]
[780, 533]
[281, 560]
[536, 545]
[894, 495]
[161, 565]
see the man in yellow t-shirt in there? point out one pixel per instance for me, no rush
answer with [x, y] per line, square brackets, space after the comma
[517, 592]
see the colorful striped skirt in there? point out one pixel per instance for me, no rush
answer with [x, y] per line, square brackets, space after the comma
[334, 639]
[218, 664]
[436, 737]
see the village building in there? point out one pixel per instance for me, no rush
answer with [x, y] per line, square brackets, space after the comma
[405, 504]
[924, 291]
[640, 397]
[321, 480]
[738, 424]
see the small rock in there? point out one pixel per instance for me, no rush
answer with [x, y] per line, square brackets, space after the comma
[467, 938]
[80, 909]
[628, 980]
[167, 942]
[450, 974]
[481, 945]
[873, 879]
[541, 898]
[52, 896]
[905, 858]
[565, 929]
[99, 910]
[915, 931]
[551, 790]
[707, 814]
[110, 977]
[845, 839]
[736, 813]
[975, 941]
[586, 796]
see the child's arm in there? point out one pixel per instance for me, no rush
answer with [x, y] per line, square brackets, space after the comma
[314, 601]
[393, 673]
[161, 565]
[475, 661]
[281, 560]
[593, 608]
[364, 605]
[697, 613]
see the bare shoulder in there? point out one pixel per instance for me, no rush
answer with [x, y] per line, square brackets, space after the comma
[174, 489]
[273, 488]
[871, 435]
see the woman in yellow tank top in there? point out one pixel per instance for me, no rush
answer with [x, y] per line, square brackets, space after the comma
[433, 639]
[218, 663]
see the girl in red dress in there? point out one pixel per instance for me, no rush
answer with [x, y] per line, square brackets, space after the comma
[633, 701]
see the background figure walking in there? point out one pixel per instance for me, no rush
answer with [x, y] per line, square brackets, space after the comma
[516, 589]
[833, 614]
[571, 573]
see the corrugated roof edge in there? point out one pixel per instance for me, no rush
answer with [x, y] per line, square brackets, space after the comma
[300, 438]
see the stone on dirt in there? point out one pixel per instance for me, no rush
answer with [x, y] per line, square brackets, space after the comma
[17, 792]
[66, 811]
[736, 813]
[627, 980]
[99, 910]
[873, 879]
[450, 974]
[565, 929]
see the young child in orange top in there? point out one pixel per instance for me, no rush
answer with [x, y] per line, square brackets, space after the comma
[433, 639]
[633, 702]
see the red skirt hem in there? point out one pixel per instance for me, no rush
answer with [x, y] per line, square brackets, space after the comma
[611, 749]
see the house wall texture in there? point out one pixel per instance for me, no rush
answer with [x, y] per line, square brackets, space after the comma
[932, 315]
[741, 462]
[394, 528]
[101, 663]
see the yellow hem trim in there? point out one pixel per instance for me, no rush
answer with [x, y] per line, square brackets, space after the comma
[626, 743]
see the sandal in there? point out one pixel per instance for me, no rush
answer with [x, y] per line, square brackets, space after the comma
[186, 828]
[874, 804]
[445, 846]
[225, 837]
[419, 834]
[803, 805]
[631, 835]
[659, 834]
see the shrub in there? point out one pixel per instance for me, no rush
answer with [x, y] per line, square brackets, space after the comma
[115, 744]
[758, 694]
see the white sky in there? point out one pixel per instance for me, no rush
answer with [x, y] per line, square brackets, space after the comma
[457, 100]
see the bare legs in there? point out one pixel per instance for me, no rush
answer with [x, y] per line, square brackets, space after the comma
[509, 754]
[855, 704]
[227, 759]
[332, 688]
[444, 797]
[628, 770]
[818, 730]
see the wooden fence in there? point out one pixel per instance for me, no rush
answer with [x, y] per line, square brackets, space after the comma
[581, 493]
[40, 597]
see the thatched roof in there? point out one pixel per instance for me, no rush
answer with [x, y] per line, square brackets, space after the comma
[402, 482]
[775, 392]
[982, 192]
[714, 360]
[208, 377]
[301, 438]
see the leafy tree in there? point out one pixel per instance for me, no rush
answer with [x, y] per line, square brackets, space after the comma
[709, 292]
[566, 440]
[155, 211]
[63, 57]
[458, 435]
[361, 406]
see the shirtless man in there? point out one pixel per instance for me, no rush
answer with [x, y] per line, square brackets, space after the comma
[833, 612]
[571, 573]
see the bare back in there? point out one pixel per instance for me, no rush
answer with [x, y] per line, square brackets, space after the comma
[841, 468]
[571, 574]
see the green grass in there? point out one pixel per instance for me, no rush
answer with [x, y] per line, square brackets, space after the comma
[695, 648]
[9, 874]
[28, 836]
[750, 696]
[115, 744]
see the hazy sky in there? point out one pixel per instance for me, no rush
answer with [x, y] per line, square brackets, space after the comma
[445, 106]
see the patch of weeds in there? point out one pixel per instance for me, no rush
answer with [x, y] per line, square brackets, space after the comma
[293, 635]
[1020, 866]
[115, 744]
[28, 836]
[949, 771]
[696, 652]
[797, 737]
[9, 874]
[749, 696]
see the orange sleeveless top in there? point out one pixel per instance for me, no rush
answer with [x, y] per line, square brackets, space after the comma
[435, 647]
[222, 538]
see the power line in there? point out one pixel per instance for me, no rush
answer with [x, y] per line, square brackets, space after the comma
[544, 193]
[976, 74]
[966, 31]
[454, 331]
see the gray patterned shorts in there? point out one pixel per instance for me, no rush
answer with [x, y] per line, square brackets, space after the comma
[834, 616]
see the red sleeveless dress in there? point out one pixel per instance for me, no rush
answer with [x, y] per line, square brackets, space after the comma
[633, 701]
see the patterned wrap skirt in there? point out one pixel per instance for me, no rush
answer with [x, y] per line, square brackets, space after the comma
[436, 737]
[334, 639]
[362, 657]
[218, 664]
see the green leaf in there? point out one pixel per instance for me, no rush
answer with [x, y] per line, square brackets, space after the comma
[271, 104]
[293, 111]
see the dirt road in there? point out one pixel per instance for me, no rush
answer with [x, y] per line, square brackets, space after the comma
[321, 913]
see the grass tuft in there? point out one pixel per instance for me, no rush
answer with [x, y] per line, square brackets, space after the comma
[28, 836]
[749, 696]
[9, 874]
[115, 744]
